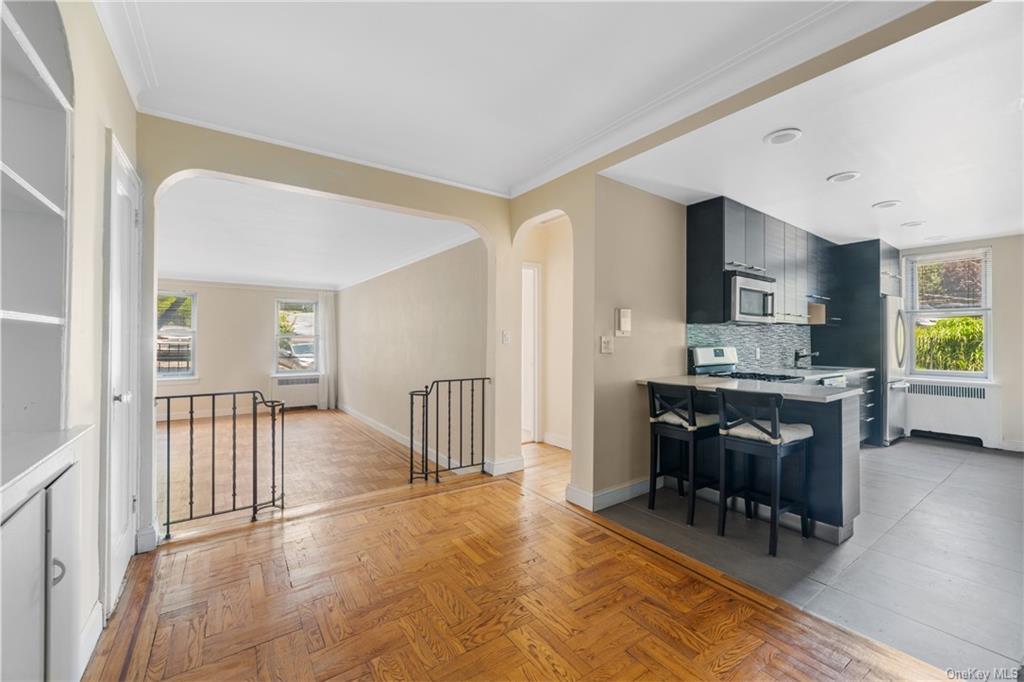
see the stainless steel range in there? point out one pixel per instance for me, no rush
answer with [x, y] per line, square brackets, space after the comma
[720, 361]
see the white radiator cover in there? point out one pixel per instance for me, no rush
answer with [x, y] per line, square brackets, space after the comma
[957, 408]
[296, 391]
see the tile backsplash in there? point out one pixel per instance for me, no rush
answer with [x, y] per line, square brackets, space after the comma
[777, 342]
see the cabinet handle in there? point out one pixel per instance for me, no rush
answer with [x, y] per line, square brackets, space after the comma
[836, 319]
[63, 570]
[819, 297]
[869, 405]
[869, 419]
[758, 268]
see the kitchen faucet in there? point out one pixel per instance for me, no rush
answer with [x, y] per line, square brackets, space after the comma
[800, 355]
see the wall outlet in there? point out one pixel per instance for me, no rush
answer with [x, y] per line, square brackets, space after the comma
[506, 337]
[607, 345]
[757, 353]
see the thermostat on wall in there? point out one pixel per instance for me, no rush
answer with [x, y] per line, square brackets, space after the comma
[623, 321]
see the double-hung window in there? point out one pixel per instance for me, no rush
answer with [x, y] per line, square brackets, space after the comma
[175, 335]
[297, 337]
[949, 311]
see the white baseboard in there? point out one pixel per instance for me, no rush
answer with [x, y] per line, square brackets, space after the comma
[505, 466]
[374, 424]
[417, 447]
[90, 635]
[146, 539]
[1012, 445]
[608, 497]
[558, 440]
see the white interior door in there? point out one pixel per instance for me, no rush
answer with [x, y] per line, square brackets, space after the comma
[122, 420]
[529, 336]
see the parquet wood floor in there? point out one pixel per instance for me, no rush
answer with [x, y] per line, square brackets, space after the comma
[546, 470]
[329, 455]
[481, 579]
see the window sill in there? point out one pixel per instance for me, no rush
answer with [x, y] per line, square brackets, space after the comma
[178, 380]
[950, 379]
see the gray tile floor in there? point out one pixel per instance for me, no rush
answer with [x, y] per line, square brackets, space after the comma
[935, 566]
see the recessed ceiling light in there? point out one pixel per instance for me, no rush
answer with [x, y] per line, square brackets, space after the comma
[888, 203]
[845, 176]
[782, 136]
[912, 223]
[937, 238]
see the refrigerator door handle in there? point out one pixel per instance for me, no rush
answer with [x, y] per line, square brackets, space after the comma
[897, 385]
[900, 339]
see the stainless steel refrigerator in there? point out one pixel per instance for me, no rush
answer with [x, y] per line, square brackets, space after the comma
[894, 384]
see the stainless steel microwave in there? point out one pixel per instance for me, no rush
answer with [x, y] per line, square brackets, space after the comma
[751, 297]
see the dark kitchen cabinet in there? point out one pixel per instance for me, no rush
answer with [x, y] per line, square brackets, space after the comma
[723, 234]
[734, 234]
[890, 273]
[857, 299]
[754, 240]
[775, 248]
[820, 275]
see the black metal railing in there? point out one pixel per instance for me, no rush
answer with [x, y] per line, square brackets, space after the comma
[457, 397]
[269, 410]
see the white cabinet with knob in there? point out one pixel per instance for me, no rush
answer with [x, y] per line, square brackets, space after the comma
[23, 597]
[40, 568]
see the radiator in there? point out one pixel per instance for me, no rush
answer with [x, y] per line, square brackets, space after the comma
[959, 409]
[296, 391]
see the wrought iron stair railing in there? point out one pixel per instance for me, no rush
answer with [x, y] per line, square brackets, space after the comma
[244, 472]
[457, 400]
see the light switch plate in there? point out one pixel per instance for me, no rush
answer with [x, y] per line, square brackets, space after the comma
[506, 337]
[607, 345]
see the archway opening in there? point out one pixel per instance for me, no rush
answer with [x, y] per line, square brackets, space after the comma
[266, 294]
[544, 245]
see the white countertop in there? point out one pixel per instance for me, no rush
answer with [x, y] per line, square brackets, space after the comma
[804, 392]
[32, 460]
[814, 373]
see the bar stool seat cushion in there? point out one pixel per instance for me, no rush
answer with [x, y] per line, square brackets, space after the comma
[702, 418]
[788, 432]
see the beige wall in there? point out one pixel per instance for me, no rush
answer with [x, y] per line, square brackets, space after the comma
[1007, 326]
[235, 327]
[641, 255]
[550, 246]
[101, 102]
[406, 328]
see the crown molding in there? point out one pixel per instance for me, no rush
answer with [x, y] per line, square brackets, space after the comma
[837, 22]
[503, 194]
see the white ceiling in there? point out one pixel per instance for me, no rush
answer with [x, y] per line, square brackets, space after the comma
[934, 121]
[495, 96]
[222, 230]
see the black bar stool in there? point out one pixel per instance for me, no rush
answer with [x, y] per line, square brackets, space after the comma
[673, 416]
[741, 431]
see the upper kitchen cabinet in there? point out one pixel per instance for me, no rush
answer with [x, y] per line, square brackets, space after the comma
[723, 234]
[753, 240]
[890, 273]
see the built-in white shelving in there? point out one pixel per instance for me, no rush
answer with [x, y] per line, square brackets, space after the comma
[35, 87]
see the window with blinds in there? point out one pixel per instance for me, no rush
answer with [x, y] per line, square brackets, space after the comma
[948, 301]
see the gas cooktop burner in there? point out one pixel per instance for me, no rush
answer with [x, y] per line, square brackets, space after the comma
[760, 376]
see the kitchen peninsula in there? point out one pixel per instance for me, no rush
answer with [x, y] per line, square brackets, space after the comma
[833, 457]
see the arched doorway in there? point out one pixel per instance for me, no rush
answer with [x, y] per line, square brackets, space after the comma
[544, 246]
[303, 268]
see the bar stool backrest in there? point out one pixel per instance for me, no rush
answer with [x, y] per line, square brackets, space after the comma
[671, 398]
[736, 408]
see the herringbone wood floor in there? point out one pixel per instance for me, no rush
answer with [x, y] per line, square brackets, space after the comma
[478, 578]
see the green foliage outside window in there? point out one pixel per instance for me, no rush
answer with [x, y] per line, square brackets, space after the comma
[952, 344]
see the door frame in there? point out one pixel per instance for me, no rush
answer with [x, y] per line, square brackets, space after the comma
[536, 269]
[117, 159]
